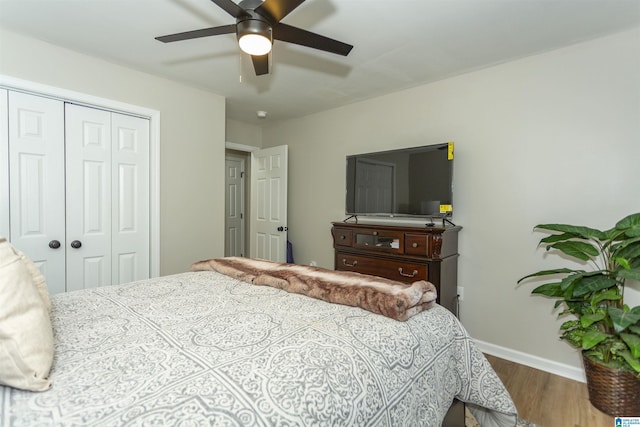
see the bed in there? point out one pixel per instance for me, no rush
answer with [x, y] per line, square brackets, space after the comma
[206, 348]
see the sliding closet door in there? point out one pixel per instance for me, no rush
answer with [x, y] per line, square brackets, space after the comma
[4, 164]
[107, 197]
[88, 155]
[74, 190]
[36, 183]
[130, 205]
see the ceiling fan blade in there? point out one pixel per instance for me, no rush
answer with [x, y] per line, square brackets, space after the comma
[260, 64]
[230, 7]
[278, 9]
[205, 32]
[296, 35]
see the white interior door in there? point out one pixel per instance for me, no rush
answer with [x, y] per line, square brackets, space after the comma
[88, 168]
[4, 162]
[269, 204]
[36, 183]
[130, 226]
[234, 206]
[107, 197]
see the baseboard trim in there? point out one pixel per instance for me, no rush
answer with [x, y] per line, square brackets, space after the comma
[561, 369]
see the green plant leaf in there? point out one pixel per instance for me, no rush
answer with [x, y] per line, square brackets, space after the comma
[569, 324]
[634, 232]
[548, 289]
[573, 337]
[630, 224]
[623, 319]
[629, 249]
[633, 341]
[635, 329]
[632, 273]
[608, 295]
[622, 262]
[577, 307]
[589, 319]
[580, 250]
[552, 238]
[570, 280]
[592, 337]
[548, 273]
[594, 284]
[576, 230]
[632, 361]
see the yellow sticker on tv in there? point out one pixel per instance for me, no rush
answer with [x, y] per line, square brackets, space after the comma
[450, 150]
[446, 208]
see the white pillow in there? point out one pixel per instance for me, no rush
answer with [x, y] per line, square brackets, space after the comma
[37, 278]
[26, 335]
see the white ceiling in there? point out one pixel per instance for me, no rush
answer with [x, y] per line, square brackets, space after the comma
[398, 43]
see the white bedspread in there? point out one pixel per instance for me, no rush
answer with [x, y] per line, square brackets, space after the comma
[205, 349]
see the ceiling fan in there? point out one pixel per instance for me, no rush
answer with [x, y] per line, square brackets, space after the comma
[257, 25]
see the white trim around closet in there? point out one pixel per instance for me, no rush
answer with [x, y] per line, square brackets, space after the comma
[12, 83]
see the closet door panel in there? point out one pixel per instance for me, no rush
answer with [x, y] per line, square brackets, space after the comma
[4, 164]
[130, 210]
[36, 183]
[89, 190]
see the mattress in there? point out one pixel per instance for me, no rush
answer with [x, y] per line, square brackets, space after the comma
[202, 348]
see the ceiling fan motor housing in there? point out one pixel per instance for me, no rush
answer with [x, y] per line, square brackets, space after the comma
[254, 25]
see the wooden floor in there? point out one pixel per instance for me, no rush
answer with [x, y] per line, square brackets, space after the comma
[548, 400]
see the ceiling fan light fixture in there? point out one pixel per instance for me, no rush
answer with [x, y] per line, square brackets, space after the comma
[255, 44]
[254, 37]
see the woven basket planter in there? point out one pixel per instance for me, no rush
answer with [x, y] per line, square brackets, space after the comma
[616, 393]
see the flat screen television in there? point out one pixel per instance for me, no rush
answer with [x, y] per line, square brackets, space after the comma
[406, 182]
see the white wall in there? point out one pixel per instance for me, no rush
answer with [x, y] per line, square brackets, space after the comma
[243, 133]
[192, 139]
[549, 138]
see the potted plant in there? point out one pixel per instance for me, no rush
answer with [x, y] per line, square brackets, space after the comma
[603, 327]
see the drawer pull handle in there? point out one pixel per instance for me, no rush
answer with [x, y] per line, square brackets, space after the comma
[343, 237]
[375, 233]
[414, 245]
[414, 274]
[344, 262]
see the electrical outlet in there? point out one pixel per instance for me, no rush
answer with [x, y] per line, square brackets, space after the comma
[460, 293]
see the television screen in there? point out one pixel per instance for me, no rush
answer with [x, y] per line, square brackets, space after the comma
[406, 182]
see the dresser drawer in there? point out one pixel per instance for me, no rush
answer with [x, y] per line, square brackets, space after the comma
[416, 244]
[379, 240]
[342, 236]
[401, 271]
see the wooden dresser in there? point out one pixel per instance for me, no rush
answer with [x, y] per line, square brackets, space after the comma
[402, 253]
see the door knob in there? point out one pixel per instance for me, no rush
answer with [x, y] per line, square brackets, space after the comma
[281, 228]
[76, 244]
[54, 244]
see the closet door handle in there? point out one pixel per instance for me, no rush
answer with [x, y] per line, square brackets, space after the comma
[76, 244]
[54, 244]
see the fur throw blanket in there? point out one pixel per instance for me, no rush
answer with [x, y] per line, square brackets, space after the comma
[382, 296]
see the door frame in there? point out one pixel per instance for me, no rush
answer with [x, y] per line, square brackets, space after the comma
[242, 158]
[244, 150]
[20, 85]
